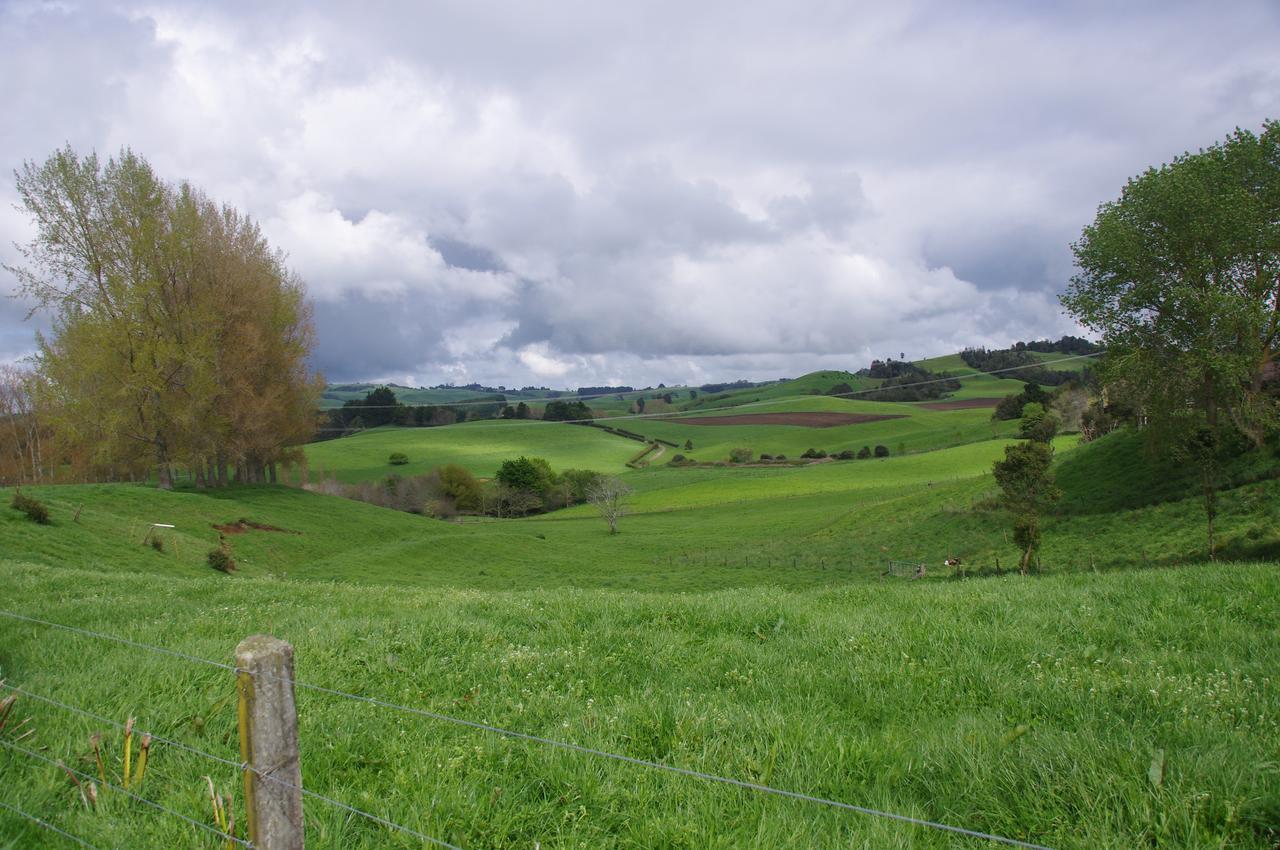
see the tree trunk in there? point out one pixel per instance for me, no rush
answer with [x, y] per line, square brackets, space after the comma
[165, 480]
[1026, 560]
[271, 472]
[199, 477]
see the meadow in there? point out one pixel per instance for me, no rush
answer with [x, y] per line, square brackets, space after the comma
[1122, 695]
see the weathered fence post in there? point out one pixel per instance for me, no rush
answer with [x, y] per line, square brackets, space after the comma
[269, 743]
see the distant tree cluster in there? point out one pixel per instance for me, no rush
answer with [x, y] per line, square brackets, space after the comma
[179, 336]
[599, 391]
[1021, 364]
[566, 411]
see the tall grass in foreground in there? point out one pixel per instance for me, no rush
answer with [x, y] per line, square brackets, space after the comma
[1083, 711]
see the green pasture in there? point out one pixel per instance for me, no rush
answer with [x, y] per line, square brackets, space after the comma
[919, 430]
[1075, 711]
[479, 446]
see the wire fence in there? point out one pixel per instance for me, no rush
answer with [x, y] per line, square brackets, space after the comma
[580, 749]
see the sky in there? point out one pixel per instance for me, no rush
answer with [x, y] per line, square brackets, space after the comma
[581, 193]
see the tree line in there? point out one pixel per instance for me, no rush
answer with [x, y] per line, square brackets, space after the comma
[179, 336]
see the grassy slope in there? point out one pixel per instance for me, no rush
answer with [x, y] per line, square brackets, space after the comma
[1029, 708]
[479, 446]
[921, 429]
[689, 529]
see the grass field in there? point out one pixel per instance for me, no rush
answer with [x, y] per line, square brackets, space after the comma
[479, 446]
[1123, 697]
[1034, 709]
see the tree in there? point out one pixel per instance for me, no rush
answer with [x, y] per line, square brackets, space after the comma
[1181, 276]
[609, 495]
[881, 451]
[1026, 488]
[526, 475]
[179, 337]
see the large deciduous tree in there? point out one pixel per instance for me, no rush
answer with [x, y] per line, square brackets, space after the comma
[1181, 276]
[179, 336]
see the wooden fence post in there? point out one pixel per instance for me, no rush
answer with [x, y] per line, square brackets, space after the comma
[269, 743]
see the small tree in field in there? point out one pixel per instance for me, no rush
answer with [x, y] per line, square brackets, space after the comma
[609, 495]
[1026, 488]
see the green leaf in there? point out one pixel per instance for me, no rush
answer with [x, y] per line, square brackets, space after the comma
[1156, 772]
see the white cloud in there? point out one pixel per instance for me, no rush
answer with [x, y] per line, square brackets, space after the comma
[694, 193]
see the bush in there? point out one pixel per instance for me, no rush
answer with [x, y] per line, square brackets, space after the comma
[398, 459]
[882, 451]
[814, 453]
[679, 459]
[221, 561]
[847, 454]
[741, 455]
[157, 543]
[766, 456]
[780, 457]
[864, 452]
[33, 508]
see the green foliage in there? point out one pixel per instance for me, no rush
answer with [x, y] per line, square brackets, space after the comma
[398, 459]
[688, 445]
[864, 453]
[881, 451]
[526, 475]
[741, 455]
[566, 411]
[33, 508]
[1026, 489]
[814, 454]
[459, 485]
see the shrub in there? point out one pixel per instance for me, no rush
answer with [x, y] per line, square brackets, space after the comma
[780, 457]
[766, 456]
[688, 444]
[864, 452]
[157, 543]
[398, 459]
[221, 561]
[882, 451]
[847, 454]
[814, 453]
[741, 455]
[679, 459]
[33, 508]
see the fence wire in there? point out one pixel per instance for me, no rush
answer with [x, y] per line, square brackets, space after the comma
[44, 823]
[564, 745]
[238, 765]
[80, 774]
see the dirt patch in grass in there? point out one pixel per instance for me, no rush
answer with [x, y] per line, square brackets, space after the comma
[816, 419]
[240, 526]
[962, 403]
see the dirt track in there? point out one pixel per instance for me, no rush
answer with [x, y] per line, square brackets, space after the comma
[962, 403]
[817, 419]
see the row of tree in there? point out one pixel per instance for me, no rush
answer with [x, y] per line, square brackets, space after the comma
[179, 336]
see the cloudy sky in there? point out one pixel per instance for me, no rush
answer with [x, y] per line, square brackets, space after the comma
[568, 193]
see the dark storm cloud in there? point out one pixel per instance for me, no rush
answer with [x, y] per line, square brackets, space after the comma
[576, 193]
